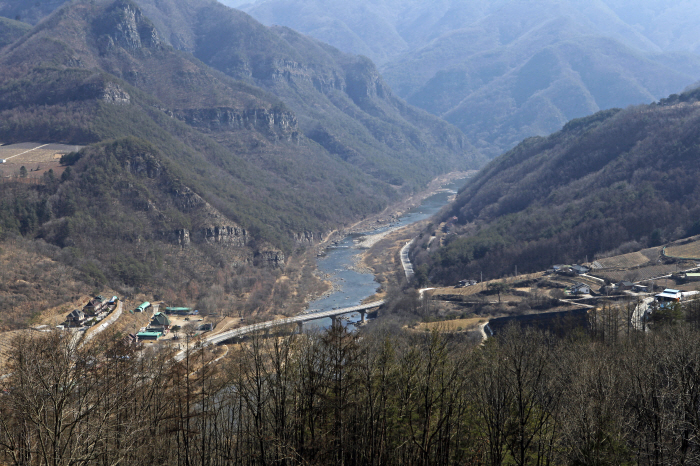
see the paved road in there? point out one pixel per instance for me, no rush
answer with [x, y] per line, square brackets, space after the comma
[105, 323]
[640, 313]
[406, 262]
[238, 332]
[17, 155]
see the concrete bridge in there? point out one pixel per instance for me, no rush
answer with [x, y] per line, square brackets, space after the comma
[299, 320]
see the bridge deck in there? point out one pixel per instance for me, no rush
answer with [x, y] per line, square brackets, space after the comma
[220, 338]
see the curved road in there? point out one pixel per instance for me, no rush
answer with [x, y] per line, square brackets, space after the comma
[406, 262]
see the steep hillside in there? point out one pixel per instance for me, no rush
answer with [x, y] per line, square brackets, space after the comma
[502, 70]
[195, 186]
[30, 12]
[567, 80]
[341, 100]
[618, 179]
[11, 30]
[237, 143]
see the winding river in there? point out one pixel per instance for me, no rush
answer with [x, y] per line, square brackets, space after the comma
[338, 264]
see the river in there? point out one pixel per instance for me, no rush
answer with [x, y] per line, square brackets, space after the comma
[350, 287]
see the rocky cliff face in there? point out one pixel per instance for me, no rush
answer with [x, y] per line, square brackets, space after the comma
[125, 26]
[270, 258]
[365, 83]
[324, 80]
[114, 94]
[278, 124]
[309, 237]
[101, 89]
[223, 235]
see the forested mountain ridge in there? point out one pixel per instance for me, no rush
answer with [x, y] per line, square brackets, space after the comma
[190, 175]
[11, 30]
[234, 134]
[619, 178]
[472, 62]
[341, 100]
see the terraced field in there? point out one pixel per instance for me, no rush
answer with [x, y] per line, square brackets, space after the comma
[640, 274]
[685, 251]
[625, 261]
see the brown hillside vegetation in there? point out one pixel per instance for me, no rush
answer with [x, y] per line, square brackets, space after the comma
[579, 393]
[199, 185]
[619, 179]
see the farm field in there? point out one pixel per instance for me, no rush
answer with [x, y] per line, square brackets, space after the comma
[452, 325]
[634, 259]
[685, 251]
[474, 289]
[35, 157]
[640, 274]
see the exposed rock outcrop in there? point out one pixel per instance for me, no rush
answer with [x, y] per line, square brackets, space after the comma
[112, 93]
[309, 237]
[364, 83]
[270, 258]
[224, 235]
[279, 124]
[101, 89]
[180, 237]
[125, 26]
[188, 200]
[144, 164]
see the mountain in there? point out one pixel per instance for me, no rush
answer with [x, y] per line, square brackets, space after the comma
[11, 30]
[619, 178]
[569, 79]
[341, 101]
[472, 63]
[190, 175]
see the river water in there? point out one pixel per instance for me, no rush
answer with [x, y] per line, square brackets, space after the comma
[351, 286]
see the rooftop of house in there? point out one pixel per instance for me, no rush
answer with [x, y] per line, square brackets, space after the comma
[160, 319]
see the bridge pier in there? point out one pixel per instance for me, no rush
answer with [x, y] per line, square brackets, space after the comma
[363, 316]
[300, 326]
[334, 321]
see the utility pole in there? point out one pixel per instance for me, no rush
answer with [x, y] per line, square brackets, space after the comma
[516, 270]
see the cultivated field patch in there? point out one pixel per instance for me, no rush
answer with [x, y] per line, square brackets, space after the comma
[640, 274]
[456, 325]
[634, 259]
[685, 251]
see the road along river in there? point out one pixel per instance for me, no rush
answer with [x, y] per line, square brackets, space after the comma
[351, 286]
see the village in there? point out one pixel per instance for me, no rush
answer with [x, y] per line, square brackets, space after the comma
[167, 324]
[643, 281]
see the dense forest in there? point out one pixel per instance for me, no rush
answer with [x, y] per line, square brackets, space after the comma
[619, 180]
[607, 396]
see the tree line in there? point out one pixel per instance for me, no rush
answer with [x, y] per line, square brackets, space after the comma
[339, 397]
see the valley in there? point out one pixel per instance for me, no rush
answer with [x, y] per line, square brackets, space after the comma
[303, 233]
